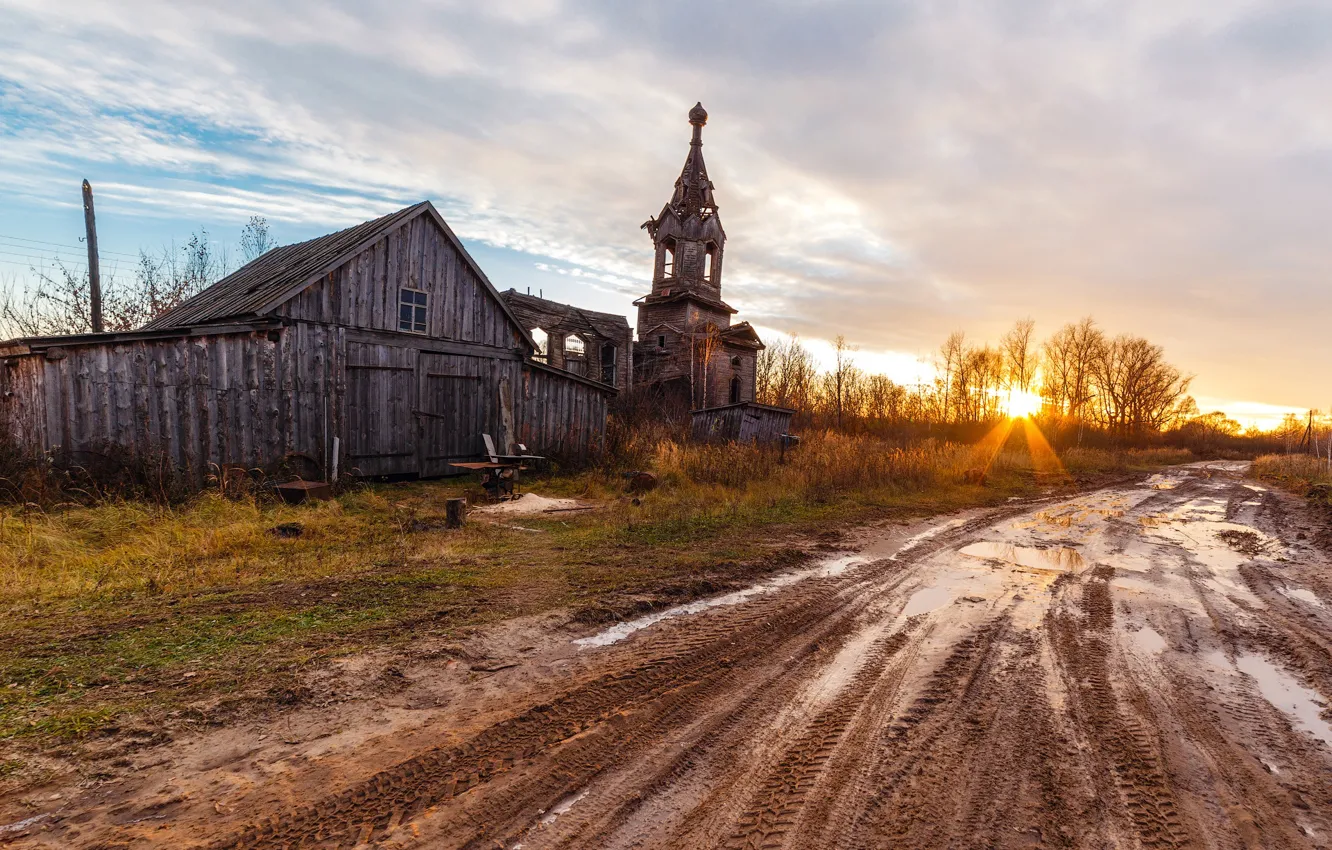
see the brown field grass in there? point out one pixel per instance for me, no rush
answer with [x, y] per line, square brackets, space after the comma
[108, 606]
[1302, 474]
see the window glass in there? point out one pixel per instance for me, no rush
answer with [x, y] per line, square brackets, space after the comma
[412, 310]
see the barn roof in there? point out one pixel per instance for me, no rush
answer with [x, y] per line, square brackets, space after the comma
[266, 282]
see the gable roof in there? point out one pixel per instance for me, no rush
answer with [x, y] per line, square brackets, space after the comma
[268, 281]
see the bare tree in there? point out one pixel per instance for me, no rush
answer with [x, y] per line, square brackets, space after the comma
[842, 377]
[1137, 391]
[951, 355]
[56, 301]
[786, 374]
[1019, 358]
[255, 240]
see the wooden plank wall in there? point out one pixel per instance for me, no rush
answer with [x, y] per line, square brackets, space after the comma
[22, 416]
[363, 292]
[203, 401]
[559, 416]
[728, 424]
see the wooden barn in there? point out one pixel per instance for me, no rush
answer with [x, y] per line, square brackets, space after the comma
[378, 350]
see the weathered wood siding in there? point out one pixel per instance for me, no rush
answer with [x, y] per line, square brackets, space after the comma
[251, 398]
[560, 416]
[363, 291]
[744, 423]
[22, 410]
[199, 401]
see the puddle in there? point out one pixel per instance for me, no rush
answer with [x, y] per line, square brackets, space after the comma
[555, 811]
[618, 632]
[927, 599]
[914, 541]
[1148, 640]
[1281, 689]
[561, 807]
[1161, 482]
[1255, 488]
[1057, 558]
[1304, 595]
[20, 826]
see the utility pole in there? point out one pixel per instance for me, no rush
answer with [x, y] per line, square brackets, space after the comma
[94, 273]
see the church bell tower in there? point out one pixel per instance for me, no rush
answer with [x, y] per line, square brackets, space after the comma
[686, 343]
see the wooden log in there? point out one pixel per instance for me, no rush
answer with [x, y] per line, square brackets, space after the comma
[454, 512]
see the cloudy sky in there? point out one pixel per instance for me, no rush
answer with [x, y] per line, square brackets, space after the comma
[890, 171]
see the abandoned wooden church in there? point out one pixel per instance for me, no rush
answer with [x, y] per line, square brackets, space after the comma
[383, 350]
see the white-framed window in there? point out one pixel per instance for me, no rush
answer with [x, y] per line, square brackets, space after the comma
[412, 305]
[574, 345]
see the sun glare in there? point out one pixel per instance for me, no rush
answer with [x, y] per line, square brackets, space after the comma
[1018, 404]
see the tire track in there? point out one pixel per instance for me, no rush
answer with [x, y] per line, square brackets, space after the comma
[1123, 744]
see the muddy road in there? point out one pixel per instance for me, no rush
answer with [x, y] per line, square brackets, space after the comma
[1143, 666]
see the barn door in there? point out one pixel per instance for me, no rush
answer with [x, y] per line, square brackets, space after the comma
[381, 430]
[454, 408]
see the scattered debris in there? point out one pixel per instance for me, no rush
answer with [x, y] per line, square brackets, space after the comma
[287, 530]
[641, 482]
[492, 666]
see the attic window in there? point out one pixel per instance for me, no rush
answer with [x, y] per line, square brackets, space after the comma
[412, 310]
[574, 345]
[542, 341]
[661, 341]
[735, 362]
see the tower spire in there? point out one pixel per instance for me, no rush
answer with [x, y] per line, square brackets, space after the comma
[693, 191]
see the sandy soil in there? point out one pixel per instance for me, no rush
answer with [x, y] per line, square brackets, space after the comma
[531, 503]
[1146, 666]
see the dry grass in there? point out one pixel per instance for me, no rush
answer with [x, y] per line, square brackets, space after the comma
[1303, 474]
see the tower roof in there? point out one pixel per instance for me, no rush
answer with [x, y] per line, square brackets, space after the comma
[693, 191]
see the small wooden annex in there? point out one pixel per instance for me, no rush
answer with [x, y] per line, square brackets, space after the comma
[379, 350]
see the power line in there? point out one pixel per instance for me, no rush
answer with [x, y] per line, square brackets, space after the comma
[63, 245]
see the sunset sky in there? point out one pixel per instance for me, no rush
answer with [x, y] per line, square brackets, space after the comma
[889, 171]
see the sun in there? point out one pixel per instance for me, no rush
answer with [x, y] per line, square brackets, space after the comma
[1018, 403]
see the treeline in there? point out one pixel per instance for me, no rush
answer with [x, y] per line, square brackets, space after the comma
[1081, 384]
[57, 300]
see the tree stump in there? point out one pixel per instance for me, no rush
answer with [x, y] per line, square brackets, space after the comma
[454, 512]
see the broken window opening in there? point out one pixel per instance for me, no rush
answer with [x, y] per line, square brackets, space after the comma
[709, 262]
[735, 390]
[608, 354]
[668, 258]
[735, 362]
[574, 345]
[542, 340]
[412, 310]
[661, 341]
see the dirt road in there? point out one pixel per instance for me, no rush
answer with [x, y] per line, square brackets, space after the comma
[1143, 666]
